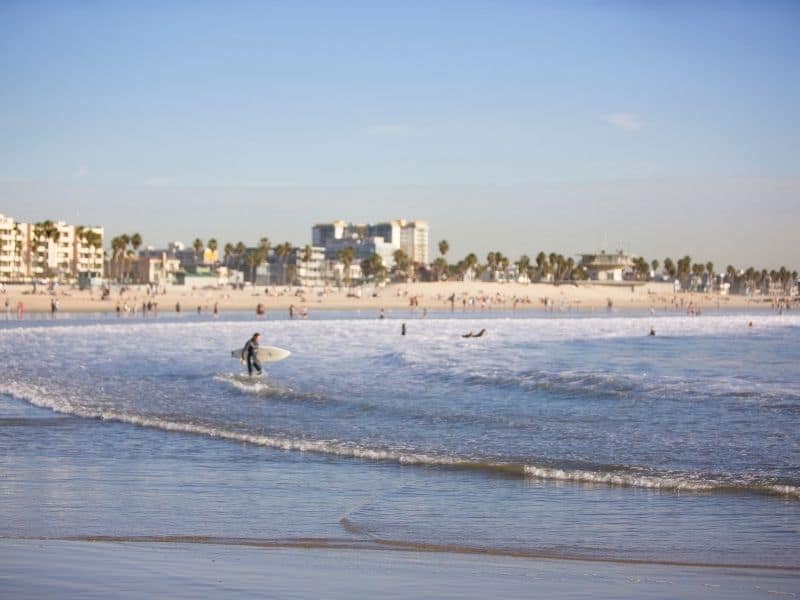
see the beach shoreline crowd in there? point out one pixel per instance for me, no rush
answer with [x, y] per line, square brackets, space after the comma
[16, 300]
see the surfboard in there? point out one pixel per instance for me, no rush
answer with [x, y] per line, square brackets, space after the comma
[265, 354]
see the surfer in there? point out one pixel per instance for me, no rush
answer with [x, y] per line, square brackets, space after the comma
[471, 334]
[250, 354]
[652, 331]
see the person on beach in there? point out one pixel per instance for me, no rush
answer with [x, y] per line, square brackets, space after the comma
[250, 355]
[652, 331]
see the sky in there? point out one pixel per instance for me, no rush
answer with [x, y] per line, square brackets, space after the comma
[664, 128]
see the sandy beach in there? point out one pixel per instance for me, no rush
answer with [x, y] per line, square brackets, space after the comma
[466, 296]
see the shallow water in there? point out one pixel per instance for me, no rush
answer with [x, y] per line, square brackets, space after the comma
[564, 436]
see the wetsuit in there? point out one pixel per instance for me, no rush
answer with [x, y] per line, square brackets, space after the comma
[250, 354]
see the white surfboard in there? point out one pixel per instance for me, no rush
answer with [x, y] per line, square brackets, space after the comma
[265, 354]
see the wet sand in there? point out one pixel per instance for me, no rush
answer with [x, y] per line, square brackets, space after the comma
[131, 569]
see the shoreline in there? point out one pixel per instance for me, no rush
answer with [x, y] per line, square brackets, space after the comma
[417, 297]
[186, 570]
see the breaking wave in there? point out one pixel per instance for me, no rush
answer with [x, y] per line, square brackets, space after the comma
[610, 476]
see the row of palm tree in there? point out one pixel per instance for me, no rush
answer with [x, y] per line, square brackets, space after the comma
[552, 267]
[555, 267]
[123, 250]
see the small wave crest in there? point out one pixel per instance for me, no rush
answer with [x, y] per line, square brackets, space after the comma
[624, 477]
[263, 387]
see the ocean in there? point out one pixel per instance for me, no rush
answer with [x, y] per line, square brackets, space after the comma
[553, 435]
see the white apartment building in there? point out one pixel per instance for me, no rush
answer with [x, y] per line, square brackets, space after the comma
[48, 249]
[414, 240]
[12, 243]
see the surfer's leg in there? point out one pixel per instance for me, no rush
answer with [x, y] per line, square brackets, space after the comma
[249, 365]
[257, 365]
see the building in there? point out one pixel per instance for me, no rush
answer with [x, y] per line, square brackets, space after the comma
[383, 238]
[295, 268]
[322, 233]
[49, 250]
[414, 240]
[89, 253]
[12, 242]
[157, 269]
[606, 267]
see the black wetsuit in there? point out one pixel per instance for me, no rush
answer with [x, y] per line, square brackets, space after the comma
[250, 354]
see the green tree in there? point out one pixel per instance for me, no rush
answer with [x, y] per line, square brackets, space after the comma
[402, 263]
[439, 267]
[372, 267]
[283, 251]
[346, 257]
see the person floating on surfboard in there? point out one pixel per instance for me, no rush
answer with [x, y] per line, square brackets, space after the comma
[250, 354]
[472, 334]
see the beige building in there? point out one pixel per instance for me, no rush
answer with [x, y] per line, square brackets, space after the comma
[606, 267]
[159, 270]
[48, 249]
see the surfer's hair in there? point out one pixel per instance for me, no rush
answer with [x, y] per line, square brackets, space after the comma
[256, 334]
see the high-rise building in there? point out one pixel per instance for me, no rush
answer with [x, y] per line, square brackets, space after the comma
[414, 240]
[383, 238]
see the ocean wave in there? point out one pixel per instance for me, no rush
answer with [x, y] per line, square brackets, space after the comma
[617, 476]
[266, 388]
[775, 396]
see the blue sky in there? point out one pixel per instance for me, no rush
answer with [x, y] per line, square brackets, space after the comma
[515, 126]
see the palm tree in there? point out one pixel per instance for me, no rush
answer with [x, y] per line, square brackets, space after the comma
[252, 259]
[541, 265]
[17, 244]
[373, 267]
[654, 264]
[439, 267]
[444, 246]
[136, 241]
[640, 268]
[401, 263]
[470, 263]
[42, 232]
[197, 244]
[346, 257]
[240, 249]
[491, 263]
[524, 265]
[306, 256]
[670, 268]
[228, 251]
[283, 251]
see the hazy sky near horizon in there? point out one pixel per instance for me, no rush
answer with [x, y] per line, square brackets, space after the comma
[667, 128]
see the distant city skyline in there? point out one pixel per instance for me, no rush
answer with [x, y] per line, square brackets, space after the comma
[662, 128]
